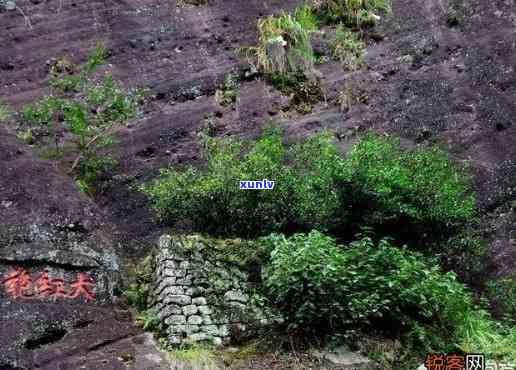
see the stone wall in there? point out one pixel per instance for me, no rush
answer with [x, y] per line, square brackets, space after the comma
[201, 297]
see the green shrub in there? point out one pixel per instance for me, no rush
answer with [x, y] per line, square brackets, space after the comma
[322, 288]
[355, 13]
[89, 111]
[315, 187]
[137, 295]
[42, 112]
[318, 284]
[348, 48]
[67, 84]
[305, 191]
[149, 320]
[228, 94]
[422, 185]
[502, 293]
[465, 253]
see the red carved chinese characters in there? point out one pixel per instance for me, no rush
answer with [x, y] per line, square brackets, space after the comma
[44, 288]
[83, 287]
[18, 283]
[59, 286]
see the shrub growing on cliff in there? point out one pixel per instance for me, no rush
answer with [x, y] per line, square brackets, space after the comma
[305, 192]
[421, 185]
[285, 56]
[84, 112]
[502, 292]
[315, 187]
[348, 48]
[320, 285]
[321, 288]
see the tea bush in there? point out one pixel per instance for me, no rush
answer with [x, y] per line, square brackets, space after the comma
[316, 187]
[305, 192]
[323, 288]
[423, 186]
[321, 285]
[502, 292]
[87, 110]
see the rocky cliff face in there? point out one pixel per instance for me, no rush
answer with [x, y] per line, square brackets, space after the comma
[426, 80]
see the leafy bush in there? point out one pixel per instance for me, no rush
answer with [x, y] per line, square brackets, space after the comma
[322, 288]
[305, 192]
[315, 187]
[502, 293]
[149, 320]
[465, 253]
[376, 184]
[228, 94]
[422, 185]
[318, 284]
[43, 111]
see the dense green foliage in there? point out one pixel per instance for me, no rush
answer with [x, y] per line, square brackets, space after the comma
[315, 187]
[321, 287]
[88, 110]
[502, 292]
[422, 185]
[319, 284]
[304, 194]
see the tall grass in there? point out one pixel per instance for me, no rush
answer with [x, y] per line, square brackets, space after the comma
[481, 334]
[292, 32]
